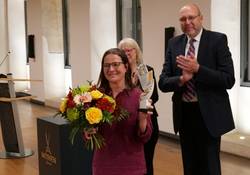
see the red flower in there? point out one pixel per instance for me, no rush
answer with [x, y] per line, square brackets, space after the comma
[70, 95]
[93, 87]
[104, 104]
[70, 102]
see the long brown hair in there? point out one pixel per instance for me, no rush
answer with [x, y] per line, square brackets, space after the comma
[103, 83]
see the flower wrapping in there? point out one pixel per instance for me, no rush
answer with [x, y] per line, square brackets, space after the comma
[87, 108]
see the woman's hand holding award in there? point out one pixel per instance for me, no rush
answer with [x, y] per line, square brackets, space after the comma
[147, 84]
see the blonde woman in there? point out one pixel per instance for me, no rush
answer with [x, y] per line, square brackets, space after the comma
[134, 55]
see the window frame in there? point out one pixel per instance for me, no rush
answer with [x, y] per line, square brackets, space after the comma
[65, 34]
[135, 21]
[244, 42]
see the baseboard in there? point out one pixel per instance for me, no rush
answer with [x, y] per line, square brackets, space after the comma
[38, 102]
[169, 135]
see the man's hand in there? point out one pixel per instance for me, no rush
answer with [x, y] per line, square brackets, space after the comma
[186, 76]
[188, 64]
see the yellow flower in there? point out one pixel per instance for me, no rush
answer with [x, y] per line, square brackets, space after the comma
[93, 115]
[63, 105]
[96, 94]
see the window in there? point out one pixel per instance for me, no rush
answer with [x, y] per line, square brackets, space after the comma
[129, 20]
[245, 47]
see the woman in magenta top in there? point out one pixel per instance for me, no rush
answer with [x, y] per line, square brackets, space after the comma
[123, 153]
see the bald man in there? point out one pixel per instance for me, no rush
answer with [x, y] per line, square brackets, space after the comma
[198, 68]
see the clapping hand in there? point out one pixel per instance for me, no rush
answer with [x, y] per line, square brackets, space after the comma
[188, 64]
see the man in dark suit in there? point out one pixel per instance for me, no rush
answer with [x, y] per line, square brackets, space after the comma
[198, 68]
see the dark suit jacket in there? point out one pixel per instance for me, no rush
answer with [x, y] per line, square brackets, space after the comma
[215, 76]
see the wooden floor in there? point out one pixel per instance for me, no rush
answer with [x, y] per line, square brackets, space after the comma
[167, 157]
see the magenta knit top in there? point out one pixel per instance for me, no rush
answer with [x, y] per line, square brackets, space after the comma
[123, 153]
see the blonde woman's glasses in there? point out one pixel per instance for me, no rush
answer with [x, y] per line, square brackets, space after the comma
[128, 50]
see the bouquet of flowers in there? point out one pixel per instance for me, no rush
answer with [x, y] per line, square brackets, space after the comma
[87, 108]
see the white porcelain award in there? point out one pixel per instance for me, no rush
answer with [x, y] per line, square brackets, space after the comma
[147, 84]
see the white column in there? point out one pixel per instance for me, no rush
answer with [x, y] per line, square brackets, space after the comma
[34, 21]
[17, 41]
[3, 37]
[102, 32]
[79, 41]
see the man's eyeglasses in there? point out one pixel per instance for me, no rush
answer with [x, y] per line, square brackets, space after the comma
[113, 64]
[189, 18]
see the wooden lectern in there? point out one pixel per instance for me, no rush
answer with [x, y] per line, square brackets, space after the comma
[9, 120]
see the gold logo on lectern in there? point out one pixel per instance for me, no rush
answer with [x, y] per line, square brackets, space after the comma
[47, 154]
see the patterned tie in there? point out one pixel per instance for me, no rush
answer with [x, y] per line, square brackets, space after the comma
[190, 93]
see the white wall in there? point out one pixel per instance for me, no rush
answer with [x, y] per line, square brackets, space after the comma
[52, 44]
[54, 73]
[48, 64]
[92, 31]
[79, 35]
[17, 42]
[156, 16]
[34, 21]
[242, 116]
[3, 38]
[102, 31]
[229, 23]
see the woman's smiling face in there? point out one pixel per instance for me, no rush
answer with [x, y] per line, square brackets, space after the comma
[114, 68]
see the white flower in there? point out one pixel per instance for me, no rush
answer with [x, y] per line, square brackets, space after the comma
[77, 99]
[83, 98]
[86, 97]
